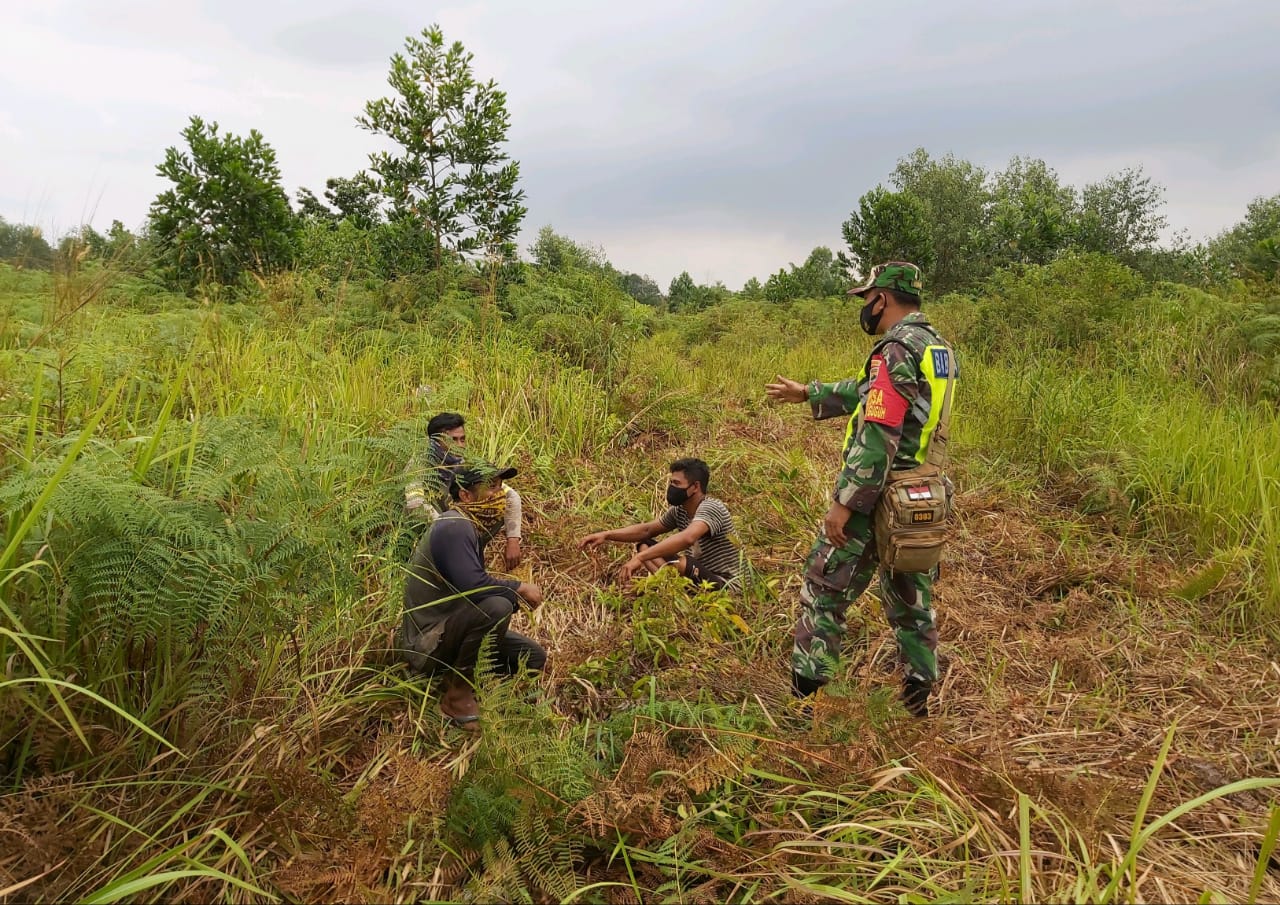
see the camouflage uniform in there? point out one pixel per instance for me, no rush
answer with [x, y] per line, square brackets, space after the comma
[894, 406]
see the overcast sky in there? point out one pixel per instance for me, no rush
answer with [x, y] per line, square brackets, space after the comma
[725, 138]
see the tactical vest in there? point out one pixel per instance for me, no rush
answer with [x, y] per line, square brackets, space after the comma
[938, 366]
[912, 516]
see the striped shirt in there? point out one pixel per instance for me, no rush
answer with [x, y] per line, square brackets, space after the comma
[717, 550]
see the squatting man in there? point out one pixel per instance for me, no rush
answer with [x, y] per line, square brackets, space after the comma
[703, 549]
[452, 603]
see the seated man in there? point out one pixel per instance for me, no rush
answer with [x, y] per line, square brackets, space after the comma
[705, 546]
[428, 491]
[452, 604]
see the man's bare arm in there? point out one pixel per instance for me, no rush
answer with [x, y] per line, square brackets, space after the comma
[632, 534]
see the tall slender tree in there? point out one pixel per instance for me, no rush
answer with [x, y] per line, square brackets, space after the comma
[452, 178]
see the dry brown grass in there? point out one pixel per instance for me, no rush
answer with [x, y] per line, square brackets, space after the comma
[1066, 659]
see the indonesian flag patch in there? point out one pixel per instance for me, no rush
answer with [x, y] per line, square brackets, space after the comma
[919, 493]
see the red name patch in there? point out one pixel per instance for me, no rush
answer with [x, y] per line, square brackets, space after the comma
[885, 405]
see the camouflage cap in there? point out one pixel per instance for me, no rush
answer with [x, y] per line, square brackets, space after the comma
[897, 275]
[478, 471]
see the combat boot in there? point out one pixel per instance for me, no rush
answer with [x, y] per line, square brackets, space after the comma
[915, 696]
[804, 689]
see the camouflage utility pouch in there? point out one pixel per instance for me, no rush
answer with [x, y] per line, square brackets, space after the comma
[911, 520]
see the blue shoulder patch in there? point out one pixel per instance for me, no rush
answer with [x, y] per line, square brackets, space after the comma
[941, 363]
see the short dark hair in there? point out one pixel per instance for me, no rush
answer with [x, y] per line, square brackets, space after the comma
[906, 299]
[445, 421]
[695, 470]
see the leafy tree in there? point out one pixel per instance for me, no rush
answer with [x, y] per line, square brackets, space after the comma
[24, 246]
[339, 250]
[313, 209]
[346, 236]
[1252, 246]
[72, 249]
[889, 226]
[714, 294]
[641, 288]
[553, 251]
[1033, 215]
[118, 243]
[823, 274]
[956, 200]
[1121, 215]
[355, 199]
[780, 286]
[225, 213]
[451, 178]
[683, 294]
[120, 247]
[958, 223]
[752, 289]
[820, 276]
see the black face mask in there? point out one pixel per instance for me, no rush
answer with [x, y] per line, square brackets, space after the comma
[677, 496]
[870, 322]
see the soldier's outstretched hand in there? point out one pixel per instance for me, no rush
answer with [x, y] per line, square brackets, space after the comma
[784, 389]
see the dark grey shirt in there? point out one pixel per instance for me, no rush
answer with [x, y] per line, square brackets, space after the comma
[446, 567]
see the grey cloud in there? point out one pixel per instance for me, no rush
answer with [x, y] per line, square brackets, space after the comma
[353, 36]
[681, 130]
[788, 142]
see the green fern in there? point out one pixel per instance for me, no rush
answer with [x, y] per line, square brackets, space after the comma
[200, 554]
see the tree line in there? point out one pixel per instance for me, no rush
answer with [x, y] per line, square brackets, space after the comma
[445, 207]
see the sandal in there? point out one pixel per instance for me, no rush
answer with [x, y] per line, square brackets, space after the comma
[459, 696]
[468, 723]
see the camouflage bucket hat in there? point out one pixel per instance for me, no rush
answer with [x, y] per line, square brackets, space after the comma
[897, 275]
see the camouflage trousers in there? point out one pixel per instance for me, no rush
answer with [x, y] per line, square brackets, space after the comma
[834, 578]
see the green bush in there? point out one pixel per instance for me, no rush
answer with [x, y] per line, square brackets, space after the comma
[1066, 305]
[581, 316]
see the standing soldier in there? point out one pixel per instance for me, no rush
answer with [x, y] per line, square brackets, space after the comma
[891, 501]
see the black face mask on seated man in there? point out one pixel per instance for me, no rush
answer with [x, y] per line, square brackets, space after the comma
[677, 496]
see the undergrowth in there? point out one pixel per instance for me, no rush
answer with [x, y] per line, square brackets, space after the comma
[203, 558]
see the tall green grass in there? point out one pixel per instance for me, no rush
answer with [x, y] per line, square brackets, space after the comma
[246, 462]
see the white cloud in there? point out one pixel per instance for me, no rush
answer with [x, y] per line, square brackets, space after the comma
[45, 64]
[9, 127]
[709, 253]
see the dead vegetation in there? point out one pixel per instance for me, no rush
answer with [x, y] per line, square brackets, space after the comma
[663, 758]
